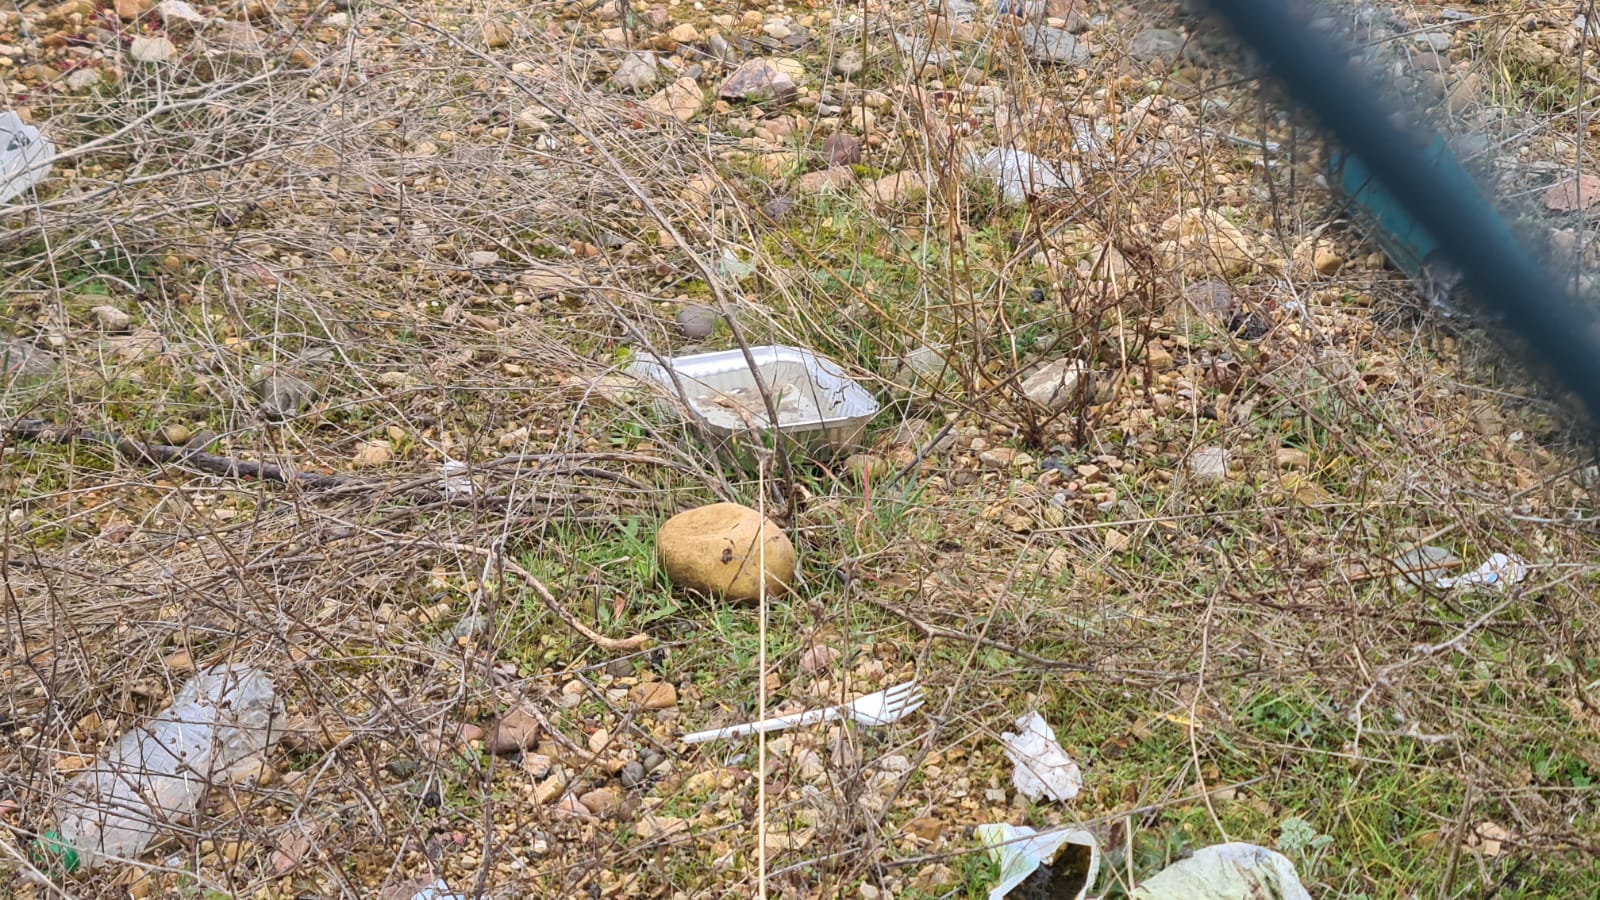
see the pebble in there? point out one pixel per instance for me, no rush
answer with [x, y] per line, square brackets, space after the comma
[637, 72]
[601, 801]
[283, 396]
[654, 695]
[517, 730]
[112, 319]
[633, 775]
[1047, 43]
[652, 760]
[1156, 45]
[841, 149]
[759, 80]
[20, 359]
[696, 322]
[848, 64]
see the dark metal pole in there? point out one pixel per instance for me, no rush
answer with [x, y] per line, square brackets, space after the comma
[1317, 71]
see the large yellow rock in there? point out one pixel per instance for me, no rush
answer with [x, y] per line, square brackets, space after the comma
[713, 550]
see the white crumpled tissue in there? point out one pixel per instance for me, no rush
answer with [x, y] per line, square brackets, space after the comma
[1043, 768]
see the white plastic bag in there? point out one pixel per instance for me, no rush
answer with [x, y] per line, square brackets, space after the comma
[25, 156]
[1043, 768]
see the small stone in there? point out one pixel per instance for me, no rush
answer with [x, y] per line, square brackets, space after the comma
[112, 319]
[83, 79]
[517, 730]
[936, 880]
[497, 34]
[551, 788]
[864, 467]
[637, 72]
[1202, 242]
[128, 10]
[652, 760]
[1057, 385]
[175, 434]
[633, 775]
[152, 49]
[1212, 298]
[895, 190]
[1047, 43]
[824, 180]
[601, 801]
[20, 359]
[599, 739]
[372, 454]
[537, 764]
[1001, 458]
[177, 15]
[1157, 46]
[654, 695]
[1325, 261]
[1437, 41]
[818, 658]
[848, 64]
[759, 80]
[696, 322]
[681, 99]
[483, 259]
[684, 34]
[1209, 464]
[841, 149]
[1157, 356]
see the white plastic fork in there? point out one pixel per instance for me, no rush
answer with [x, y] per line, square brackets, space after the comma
[873, 710]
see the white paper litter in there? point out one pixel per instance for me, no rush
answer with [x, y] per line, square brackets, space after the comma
[454, 481]
[1499, 571]
[25, 156]
[1043, 768]
[1020, 851]
[1226, 872]
[1020, 174]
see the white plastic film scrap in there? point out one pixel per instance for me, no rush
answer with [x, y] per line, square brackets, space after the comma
[1499, 571]
[1020, 851]
[25, 156]
[1043, 768]
[1226, 872]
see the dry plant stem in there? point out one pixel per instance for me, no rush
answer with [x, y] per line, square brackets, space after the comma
[615, 645]
[937, 631]
[44, 433]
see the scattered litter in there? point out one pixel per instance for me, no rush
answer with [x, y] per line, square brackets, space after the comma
[1226, 872]
[1420, 564]
[438, 890]
[818, 405]
[25, 156]
[1499, 571]
[454, 480]
[1043, 768]
[729, 265]
[1020, 174]
[1063, 864]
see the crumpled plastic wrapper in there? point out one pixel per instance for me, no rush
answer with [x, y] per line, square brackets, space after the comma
[1226, 872]
[1021, 851]
[1499, 572]
[1043, 768]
